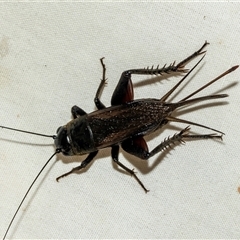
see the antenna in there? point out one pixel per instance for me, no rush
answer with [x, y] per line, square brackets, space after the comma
[23, 131]
[58, 150]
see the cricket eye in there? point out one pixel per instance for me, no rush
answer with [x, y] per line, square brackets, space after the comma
[62, 141]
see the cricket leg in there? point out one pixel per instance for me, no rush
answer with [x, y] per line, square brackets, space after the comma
[124, 91]
[180, 138]
[172, 67]
[97, 100]
[138, 147]
[77, 112]
[83, 165]
[115, 152]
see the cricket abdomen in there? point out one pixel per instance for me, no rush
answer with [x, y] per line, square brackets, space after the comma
[114, 124]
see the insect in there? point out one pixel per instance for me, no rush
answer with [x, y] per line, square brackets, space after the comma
[127, 121]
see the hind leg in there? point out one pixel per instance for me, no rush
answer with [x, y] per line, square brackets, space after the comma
[124, 91]
[138, 147]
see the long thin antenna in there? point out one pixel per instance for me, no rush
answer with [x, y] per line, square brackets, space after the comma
[23, 199]
[23, 131]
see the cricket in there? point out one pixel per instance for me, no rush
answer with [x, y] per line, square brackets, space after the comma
[127, 121]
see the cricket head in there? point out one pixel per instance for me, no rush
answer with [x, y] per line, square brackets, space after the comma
[62, 142]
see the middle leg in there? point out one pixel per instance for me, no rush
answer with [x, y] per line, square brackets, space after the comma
[97, 100]
[115, 152]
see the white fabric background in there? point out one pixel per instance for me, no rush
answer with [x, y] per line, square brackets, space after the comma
[50, 61]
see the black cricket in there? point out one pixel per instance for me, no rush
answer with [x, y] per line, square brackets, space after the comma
[127, 121]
